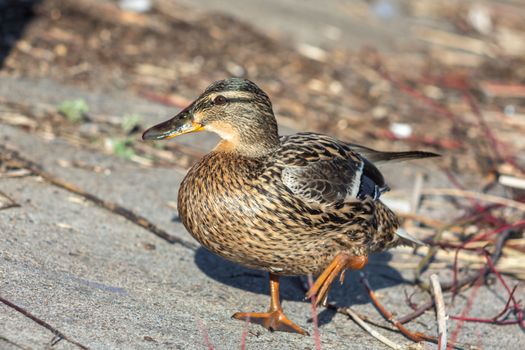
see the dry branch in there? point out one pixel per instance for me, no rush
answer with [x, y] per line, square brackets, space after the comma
[43, 323]
[19, 161]
[417, 337]
[440, 310]
[8, 203]
[370, 330]
[512, 181]
[417, 312]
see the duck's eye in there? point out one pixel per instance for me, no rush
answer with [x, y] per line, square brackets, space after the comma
[219, 100]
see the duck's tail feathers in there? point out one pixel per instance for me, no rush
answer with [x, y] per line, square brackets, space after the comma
[378, 157]
[408, 238]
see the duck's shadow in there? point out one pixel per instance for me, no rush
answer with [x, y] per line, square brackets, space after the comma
[351, 292]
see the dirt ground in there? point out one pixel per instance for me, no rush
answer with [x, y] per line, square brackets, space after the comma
[80, 81]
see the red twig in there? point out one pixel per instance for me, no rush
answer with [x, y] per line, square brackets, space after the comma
[500, 241]
[245, 333]
[417, 337]
[445, 245]
[463, 87]
[205, 335]
[470, 302]
[443, 110]
[517, 307]
[495, 143]
[495, 319]
[408, 300]
[479, 238]
[483, 124]
[484, 320]
[498, 231]
[479, 209]
[417, 312]
[317, 335]
[503, 90]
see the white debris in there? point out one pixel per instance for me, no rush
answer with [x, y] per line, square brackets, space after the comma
[509, 110]
[386, 9]
[479, 18]
[138, 6]
[335, 87]
[312, 52]
[401, 130]
[512, 181]
[235, 69]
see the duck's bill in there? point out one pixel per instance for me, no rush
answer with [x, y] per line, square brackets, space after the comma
[182, 123]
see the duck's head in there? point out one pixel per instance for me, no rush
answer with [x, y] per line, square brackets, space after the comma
[235, 109]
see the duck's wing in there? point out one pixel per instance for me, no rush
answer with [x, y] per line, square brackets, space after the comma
[319, 168]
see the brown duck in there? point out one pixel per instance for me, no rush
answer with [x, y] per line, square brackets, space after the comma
[291, 205]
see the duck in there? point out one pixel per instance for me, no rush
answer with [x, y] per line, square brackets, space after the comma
[292, 205]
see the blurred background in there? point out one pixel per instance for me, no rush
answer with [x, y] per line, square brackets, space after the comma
[80, 80]
[375, 72]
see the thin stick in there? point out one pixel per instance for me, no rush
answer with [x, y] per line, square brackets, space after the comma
[10, 342]
[440, 310]
[415, 199]
[43, 323]
[344, 311]
[371, 331]
[495, 319]
[11, 202]
[417, 312]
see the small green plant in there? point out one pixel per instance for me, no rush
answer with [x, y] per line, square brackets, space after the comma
[130, 123]
[123, 148]
[73, 110]
[159, 145]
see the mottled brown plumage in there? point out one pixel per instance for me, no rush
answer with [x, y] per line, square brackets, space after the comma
[290, 205]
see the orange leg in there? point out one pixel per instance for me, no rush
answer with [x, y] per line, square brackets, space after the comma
[341, 262]
[274, 319]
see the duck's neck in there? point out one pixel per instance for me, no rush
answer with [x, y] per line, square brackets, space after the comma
[252, 143]
[249, 151]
